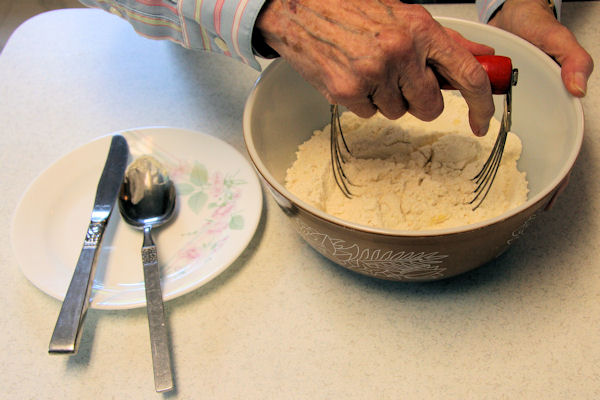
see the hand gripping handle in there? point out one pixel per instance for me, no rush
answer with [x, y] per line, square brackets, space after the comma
[499, 70]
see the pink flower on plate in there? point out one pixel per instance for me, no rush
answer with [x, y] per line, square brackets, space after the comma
[223, 211]
[216, 227]
[216, 187]
[178, 171]
[191, 253]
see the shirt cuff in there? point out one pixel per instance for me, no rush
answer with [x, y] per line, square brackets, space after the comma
[224, 27]
[487, 8]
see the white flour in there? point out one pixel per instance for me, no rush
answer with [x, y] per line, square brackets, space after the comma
[409, 174]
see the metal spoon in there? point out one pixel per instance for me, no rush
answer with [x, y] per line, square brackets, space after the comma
[146, 200]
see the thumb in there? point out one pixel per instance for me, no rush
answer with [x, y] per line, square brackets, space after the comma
[575, 72]
[576, 64]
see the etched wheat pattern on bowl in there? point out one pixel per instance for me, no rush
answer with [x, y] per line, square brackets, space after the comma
[382, 263]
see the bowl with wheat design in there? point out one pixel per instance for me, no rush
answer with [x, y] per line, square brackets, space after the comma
[282, 111]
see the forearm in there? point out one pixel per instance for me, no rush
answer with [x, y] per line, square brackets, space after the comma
[220, 26]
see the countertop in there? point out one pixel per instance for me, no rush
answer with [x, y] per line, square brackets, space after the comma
[282, 322]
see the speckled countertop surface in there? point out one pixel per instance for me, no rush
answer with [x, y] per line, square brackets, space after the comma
[282, 322]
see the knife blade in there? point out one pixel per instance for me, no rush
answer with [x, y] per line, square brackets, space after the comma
[67, 331]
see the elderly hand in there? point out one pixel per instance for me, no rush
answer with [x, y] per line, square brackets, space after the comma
[371, 55]
[534, 21]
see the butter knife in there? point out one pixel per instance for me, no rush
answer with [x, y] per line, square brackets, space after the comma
[67, 332]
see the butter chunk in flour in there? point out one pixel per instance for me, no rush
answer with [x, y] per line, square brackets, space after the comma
[409, 174]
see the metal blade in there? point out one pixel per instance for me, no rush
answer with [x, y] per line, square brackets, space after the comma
[67, 332]
[112, 176]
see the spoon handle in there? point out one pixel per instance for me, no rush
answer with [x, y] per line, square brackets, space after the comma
[161, 360]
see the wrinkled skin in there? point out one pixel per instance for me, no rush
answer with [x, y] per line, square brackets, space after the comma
[549, 35]
[371, 55]
[555, 40]
[381, 55]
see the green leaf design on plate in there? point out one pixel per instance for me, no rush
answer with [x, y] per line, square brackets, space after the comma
[183, 189]
[199, 175]
[236, 222]
[197, 201]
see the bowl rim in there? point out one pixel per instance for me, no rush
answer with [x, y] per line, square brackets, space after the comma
[531, 202]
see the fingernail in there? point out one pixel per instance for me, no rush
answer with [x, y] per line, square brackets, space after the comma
[578, 83]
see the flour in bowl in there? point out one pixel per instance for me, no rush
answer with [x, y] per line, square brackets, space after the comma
[409, 174]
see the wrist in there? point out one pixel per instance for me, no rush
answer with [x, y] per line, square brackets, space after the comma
[517, 6]
[259, 43]
[260, 47]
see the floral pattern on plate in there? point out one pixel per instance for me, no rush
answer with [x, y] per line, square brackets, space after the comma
[218, 209]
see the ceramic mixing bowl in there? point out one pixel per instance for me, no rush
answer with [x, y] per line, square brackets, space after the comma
[282, 112]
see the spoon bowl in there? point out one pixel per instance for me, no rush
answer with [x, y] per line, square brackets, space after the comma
[146, 200]
[147, 195]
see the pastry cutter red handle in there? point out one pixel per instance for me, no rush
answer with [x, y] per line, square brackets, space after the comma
[499, 70]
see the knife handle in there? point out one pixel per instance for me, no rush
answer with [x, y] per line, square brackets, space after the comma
[499, 70]
[66, 336]
[159, 341]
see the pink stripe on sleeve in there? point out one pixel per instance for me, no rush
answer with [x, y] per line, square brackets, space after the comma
[217, 16]
[235, 29]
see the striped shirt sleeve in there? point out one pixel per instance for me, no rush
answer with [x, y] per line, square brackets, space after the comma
[221, 26]
[487, 8]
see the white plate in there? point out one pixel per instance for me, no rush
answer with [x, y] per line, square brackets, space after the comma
[218, 209]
